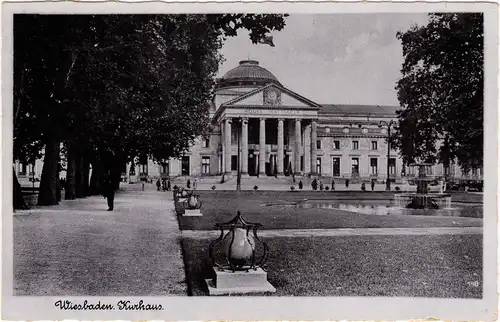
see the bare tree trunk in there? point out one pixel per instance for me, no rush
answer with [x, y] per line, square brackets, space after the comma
[18, 199]
[50, 174]
[69, 193]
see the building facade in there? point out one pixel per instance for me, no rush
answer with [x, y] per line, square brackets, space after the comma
[275, 132]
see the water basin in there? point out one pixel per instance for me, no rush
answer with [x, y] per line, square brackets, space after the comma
[388, 207]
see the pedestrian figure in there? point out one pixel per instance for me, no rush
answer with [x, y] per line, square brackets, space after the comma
[347, 183]
[314, 184]
[188, 184]
[320, 185]
[293, 177]
[333, 185]
[195, 183]
[158, 184]
[373, 185]
[301, 185]
[168, 185]
[164, 184]
[109, 192]
[363, 187]
[143, 186]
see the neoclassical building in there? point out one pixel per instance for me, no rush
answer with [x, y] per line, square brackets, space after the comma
[277, 132]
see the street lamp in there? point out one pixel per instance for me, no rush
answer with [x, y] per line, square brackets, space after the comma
[388, 125]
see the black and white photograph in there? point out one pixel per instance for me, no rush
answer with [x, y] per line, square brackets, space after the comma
[154, 157]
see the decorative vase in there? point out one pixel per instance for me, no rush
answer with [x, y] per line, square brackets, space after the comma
[238, 246]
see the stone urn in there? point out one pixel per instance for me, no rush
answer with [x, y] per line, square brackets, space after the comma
[239, 246]
[192, 202]
[185, 193]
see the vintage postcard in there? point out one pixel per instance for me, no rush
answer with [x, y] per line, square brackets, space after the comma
[249, 161]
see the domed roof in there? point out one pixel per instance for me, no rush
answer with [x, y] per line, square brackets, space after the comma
[248, 73]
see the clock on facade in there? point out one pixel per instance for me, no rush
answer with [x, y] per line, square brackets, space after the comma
[272, 96]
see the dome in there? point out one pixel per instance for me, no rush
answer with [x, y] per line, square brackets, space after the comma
[248, 73]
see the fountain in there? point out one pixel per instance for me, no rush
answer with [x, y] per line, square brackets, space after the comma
[423, 198]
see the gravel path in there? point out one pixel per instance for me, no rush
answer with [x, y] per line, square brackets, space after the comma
[79, 248]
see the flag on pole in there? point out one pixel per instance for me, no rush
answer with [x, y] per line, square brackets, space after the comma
[266, 40]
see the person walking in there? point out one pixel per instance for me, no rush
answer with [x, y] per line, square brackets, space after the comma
[158, 184]
[168, 185]
[347, 183]
[195, 183]
[321, 185]
[373, 185]
[333, 185]
[109, 192]
[301, 185]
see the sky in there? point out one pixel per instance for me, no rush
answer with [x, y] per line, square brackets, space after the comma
[332, 58]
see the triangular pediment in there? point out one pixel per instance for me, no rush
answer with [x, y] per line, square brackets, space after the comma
[271, 95]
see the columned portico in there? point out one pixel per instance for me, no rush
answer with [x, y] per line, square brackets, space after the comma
[262, 147]
[298, 144]
[244, 146]
[281, 144]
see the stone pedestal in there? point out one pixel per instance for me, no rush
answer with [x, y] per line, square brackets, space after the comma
[192, 213]
[239, 282]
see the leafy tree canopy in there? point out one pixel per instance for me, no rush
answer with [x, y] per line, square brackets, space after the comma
[120, 84]
[441, 90]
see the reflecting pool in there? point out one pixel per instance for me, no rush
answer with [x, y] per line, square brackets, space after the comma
[388, 207]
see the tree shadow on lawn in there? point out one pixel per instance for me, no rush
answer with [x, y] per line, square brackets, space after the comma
[408, 266]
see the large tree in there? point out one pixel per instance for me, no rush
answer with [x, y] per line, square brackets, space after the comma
[441, 90]
[115, 87]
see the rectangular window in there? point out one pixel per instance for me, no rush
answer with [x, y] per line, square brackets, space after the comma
[206, 143]
[336, 167]
[355, 145]
[374, 145]
[392, 166]
[355, 166]
[373, 166]
[205, 165]
[336, 145]
[318, 144]
[143, 169]
[301, 163]
[32, 169]
[318, 165]
[234, 163]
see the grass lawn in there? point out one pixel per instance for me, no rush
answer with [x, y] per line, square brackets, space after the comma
[407, 266]
[219, 206]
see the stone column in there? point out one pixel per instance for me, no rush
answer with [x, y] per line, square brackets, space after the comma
[244, 147]
[280, 155]
[314, 147]
[227, 148]
[298, 140]
[262, 148]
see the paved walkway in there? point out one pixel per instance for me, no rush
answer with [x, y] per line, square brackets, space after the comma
[79, 248]
[346, 232]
